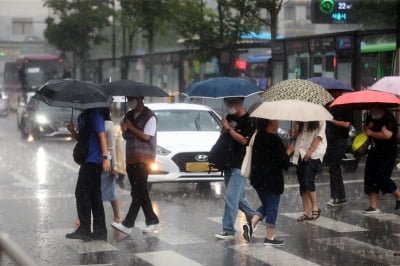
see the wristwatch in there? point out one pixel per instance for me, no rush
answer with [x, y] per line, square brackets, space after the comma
[105, 157]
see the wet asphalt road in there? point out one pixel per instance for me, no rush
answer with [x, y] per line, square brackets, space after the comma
[37, 208]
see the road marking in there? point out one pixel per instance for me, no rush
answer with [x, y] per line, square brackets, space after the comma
[79, 246]
[329, 223]
[173, 235]
[271, 256]
[386, 217]
[23, 181]
[365, 250]
[166, 258]
[74, 168]
[260, 230]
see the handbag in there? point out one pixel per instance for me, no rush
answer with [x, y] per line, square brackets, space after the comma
[246, 164]
[361, 143]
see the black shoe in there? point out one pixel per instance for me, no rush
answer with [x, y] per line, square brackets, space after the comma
[248, 231]
[98, 237]
[79, 235]
[273, 242]
[397, 205]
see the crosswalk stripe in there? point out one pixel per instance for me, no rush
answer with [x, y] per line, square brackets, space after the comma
[328, 223]
[79, 246]
[362, 249]
[166, 258]
[259, 233]
[393, 218]
[173, 235]
[272, 256]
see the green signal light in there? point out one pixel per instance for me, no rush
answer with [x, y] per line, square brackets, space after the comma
[327, 6]
[2, 53]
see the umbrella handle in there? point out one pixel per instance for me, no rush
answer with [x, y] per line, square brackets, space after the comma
[72, 115]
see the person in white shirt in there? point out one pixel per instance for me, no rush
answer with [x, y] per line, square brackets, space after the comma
[309, 152]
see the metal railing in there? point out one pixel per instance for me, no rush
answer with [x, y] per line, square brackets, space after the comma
[9, 248]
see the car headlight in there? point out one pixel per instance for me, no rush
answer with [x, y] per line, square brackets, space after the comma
[41, 119]
[162, 151]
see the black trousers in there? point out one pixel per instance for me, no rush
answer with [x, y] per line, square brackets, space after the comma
[88, 199]
[138, 174]
[334, 156]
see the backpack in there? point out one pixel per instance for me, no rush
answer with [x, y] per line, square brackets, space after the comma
[81, 149]
[221, 154]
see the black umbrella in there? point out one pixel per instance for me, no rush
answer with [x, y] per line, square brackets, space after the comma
[73, 94]
[131, 88]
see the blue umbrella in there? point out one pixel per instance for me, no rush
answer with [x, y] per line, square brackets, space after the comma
[222, 87]
[331, 84]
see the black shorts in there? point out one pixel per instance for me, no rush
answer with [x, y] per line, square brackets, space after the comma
[378, 171]
[306, 174]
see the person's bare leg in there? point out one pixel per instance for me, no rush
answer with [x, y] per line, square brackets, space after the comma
[312, 195]
[306, 204]
[255, 220]
[270, 232]
[77, 224]
[115, 208]
[396, 194]
[373, 200]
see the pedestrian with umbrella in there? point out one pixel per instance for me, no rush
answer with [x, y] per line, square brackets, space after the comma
[91, 151]
[228, 152]
[311, 138]
[269, 159]
[139, 129]
[381, 128]
[337, 133]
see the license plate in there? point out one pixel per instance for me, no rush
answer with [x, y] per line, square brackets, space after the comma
[198, 167]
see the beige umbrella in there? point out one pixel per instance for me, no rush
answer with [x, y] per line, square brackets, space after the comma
[292, 110]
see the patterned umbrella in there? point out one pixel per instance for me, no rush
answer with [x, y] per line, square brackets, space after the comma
[297, 89]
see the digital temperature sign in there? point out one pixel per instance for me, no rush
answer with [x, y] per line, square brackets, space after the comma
[332, 11]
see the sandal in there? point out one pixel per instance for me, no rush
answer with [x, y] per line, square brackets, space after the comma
[316, 214]
[304, 217]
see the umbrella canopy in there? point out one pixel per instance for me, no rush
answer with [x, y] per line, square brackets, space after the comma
[222, 87]
[366, 99]
[297, 89]
[331, 84]
[387, 84]
[73, 94]
[131, 88]
[292, 110]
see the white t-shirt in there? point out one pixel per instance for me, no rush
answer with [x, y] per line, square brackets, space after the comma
[150, 127]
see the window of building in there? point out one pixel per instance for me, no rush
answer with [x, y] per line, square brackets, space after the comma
[289, 12]
[22, 26]
[308, 12]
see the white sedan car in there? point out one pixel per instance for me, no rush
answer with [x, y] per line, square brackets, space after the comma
[185, 135]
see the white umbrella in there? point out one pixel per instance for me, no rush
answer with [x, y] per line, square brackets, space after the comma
[387, 84]
[292, 110]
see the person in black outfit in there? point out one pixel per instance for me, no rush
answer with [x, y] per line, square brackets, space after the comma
[381, 127]
[337, 133]
[269, 158]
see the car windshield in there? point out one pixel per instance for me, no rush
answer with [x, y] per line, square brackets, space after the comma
[187, 120]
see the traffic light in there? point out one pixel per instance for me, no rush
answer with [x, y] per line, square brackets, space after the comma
[2, 53]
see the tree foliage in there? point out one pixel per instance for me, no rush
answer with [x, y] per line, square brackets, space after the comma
[373, 14]
[76, 24]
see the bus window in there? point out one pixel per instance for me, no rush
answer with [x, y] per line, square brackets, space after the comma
[369, 69]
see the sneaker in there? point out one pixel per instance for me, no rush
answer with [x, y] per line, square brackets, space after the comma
[224, 236]
[151, 228]
[79, 235]
[120, 227]
[397, 208]
[273, 242]
[248, 231]
[336, 202]
[371, 210]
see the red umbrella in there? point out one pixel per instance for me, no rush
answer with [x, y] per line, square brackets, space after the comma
[366, 99]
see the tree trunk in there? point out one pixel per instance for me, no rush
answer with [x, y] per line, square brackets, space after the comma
[150, 48]
[274, 24]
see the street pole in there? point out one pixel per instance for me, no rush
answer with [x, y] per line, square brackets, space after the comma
[113, 35]
[397, 68]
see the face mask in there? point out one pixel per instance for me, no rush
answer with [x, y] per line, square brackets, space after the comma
[232, 110]
[132, 104]
[376, 115]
